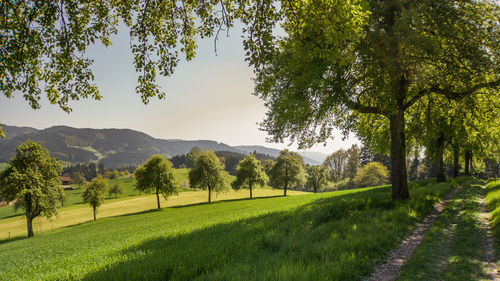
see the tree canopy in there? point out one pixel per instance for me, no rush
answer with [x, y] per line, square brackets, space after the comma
[208, 173]
[116, 188]
[340, 60]
[288, 170]
[317, 177]
[372, 174]
[249, 173]
[156, 174]
[33, 179]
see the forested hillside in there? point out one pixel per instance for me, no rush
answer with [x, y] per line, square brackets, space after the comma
[112, 147]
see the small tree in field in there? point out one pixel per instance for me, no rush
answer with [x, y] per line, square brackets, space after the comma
[249, 173]
[208, 173]
[94, 193]
[317, 177]
[288, 170]
[116, 189]
[372, 174]
[78, 178]
[156, 174]
[32, 178]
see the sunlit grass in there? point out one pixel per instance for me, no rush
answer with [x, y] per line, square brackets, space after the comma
[340, 235]
[493, 201]
[78, 213]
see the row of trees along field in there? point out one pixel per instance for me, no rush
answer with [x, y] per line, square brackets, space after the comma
[403, 74]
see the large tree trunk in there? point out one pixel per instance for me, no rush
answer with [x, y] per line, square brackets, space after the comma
[286, 185]
[209, 194]
[250, 185]
[29, 222]
[158, 198]
[29, 216]
[398, 158]
[468, 160]
[456, 152]
[439, 159]
[94, 214]
[471, 164]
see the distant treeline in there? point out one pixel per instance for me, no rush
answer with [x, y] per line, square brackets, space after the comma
[91, 170]
[229, 158]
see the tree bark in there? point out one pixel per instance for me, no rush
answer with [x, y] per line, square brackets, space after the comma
[29, 222]
[471, 163]
[456, 152]
[250, 185]
[286, 185]
[468, 158]
[94, 214]
[157, 198]
[439, 159]
[29, 216]
[398, 157]
[209, 194]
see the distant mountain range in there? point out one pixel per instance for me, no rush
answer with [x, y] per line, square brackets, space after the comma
[117, 147]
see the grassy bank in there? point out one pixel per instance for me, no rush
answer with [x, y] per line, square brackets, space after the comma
[454, 248]
[493, 201]
[336, 236]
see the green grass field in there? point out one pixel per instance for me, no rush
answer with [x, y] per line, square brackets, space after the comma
[453, 249]
[493, 201]
[74, 197]
[339, 235]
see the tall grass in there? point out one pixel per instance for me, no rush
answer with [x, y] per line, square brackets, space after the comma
[340, 235]
[493, 201]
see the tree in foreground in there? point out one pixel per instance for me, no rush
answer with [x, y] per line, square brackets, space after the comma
[156, 174]
[116, 188]
[372, 174]
[94, 192]
[317, 177]
[208, 173]
[340, 60]
[288, 170]
[33, 179]
[249, 173]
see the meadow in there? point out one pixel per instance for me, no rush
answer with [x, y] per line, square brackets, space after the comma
[493, 201]
[340, 235]
[74, 197]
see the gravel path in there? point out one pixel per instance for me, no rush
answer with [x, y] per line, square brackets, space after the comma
[390, 270]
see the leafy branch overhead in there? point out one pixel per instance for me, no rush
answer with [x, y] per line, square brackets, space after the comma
[44, 43]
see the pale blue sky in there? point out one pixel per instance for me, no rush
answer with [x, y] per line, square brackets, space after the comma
[207, 98]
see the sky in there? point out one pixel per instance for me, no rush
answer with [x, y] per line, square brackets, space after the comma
[209, 97]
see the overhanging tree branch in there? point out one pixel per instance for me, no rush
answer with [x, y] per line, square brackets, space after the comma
[458, 95]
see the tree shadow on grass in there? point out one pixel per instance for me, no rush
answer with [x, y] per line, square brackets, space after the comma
[222, 201]
[12, 216]
[8, 240]
[337, 238]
